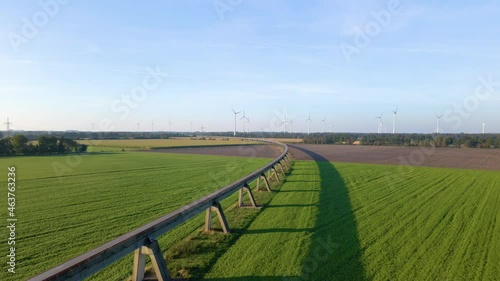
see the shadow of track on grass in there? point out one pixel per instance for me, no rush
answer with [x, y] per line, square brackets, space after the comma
[335, 252]
[253, 278]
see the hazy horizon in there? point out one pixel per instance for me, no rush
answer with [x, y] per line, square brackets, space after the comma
[67, 64]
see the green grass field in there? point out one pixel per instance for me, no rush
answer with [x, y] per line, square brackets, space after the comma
[348, 222]
[101, 196]
[329, 221]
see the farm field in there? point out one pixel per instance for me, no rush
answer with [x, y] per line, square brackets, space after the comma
[65, 212]
[287, 140]
[344, 221]
[464, 158]
[248, 150]
[135, 144]
[329, 221]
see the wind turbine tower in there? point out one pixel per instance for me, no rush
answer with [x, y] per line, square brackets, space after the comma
[308, 121]
[438, 121]
[245, 119]
[248, 125]
[380, 123]
[92, 124]
[169, 126]
[284, 123]
[484, 126]
[235, 113]
[138, 127]
[394, 121]
[324, 120]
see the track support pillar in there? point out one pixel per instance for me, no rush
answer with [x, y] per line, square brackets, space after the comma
[153, 250]
[276, 174]
[250, 195]
[264, 178]
[281, 168]
[217, 208]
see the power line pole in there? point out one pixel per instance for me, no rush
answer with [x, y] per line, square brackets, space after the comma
[8, 123]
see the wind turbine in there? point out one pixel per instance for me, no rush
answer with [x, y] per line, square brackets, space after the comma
[152, 126]
[248, 126]
[235, 113]
[484, 125]
[284, 123]
[92, 124]
[438, 121]
[324, 120]
[308, 121]
[169, 125]
[380, 123]
[244, 118]
[138, 126]
[291, 126]
[8, 123]
[191, 126]
[394, 121]
[202, 128]
[331, 127]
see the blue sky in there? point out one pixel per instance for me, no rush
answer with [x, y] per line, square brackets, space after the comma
[86, 62]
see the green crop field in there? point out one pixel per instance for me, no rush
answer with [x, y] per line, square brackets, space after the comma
[67, 205]
[372, 222]
[118, 145]
[329, 221]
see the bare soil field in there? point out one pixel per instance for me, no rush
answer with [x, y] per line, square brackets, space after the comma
[466, 158]
[482, 159]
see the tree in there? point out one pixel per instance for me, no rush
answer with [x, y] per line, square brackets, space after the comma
[81, 148]
[5, 147]
[19, 144]
[47, 144]
[67, 145]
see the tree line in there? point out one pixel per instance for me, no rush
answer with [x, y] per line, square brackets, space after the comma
[21, 145]
[441, 140]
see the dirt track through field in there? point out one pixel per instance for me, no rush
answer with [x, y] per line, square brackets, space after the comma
[483, 159]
